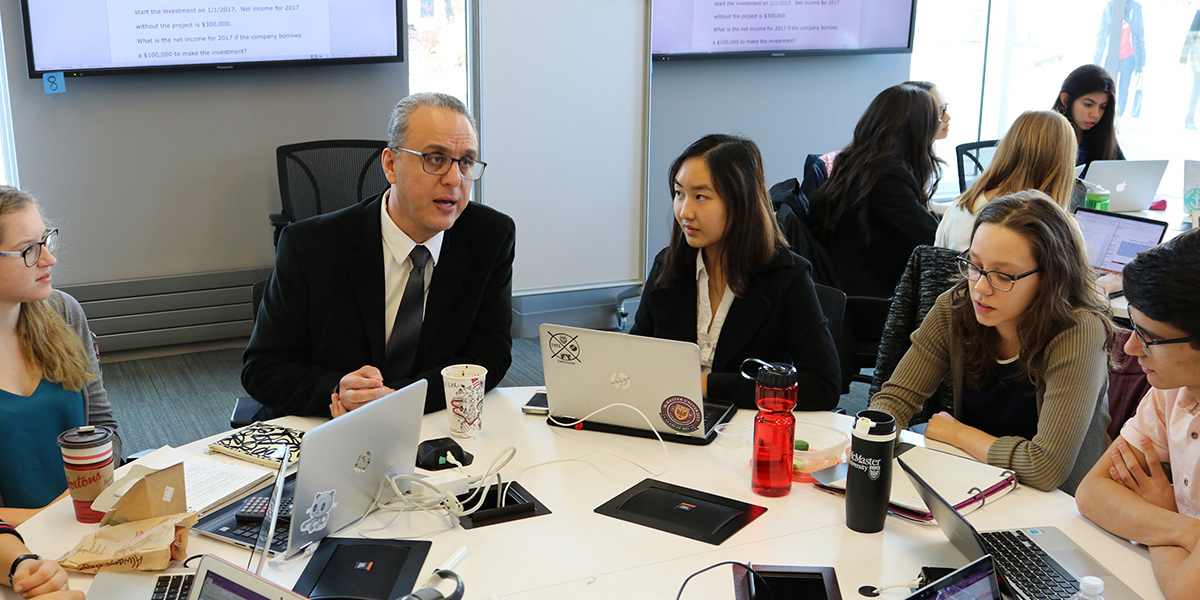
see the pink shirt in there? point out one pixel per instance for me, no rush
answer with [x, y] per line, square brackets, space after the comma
[1171, 420]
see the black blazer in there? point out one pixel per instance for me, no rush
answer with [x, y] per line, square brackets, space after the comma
[897, 222]
[322, 314]
[776, 320]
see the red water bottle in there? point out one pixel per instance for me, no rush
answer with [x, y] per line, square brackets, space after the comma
[774, 427]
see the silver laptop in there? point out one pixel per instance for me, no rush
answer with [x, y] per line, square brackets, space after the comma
[1130, 183]
[1034, 563]
[1115, 239]
[214, 579]
[587, 370]
[342, 464]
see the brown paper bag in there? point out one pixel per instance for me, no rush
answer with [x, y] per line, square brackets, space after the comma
[146, 545]
[157, 494]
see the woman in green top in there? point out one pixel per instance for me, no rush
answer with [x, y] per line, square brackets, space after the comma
[49, 374]
[1026, 335]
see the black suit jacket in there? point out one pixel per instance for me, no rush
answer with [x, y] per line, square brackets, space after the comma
[322, 314]
[777, 319]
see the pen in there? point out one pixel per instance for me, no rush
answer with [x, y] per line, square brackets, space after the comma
[454, 558]
[604, 570]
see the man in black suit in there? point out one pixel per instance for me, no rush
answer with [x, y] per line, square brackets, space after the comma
[371, 298]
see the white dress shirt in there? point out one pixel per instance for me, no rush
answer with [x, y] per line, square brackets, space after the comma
[397, 265]
[707, 336]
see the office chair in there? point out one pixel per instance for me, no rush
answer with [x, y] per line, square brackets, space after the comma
[324, 176]
[833, 305]
[979, 155]
[930, 271]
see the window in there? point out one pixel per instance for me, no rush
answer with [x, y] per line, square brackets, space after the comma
[437, 46]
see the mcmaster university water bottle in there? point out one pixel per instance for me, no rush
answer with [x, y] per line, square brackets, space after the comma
[774, 428]
[869, 474]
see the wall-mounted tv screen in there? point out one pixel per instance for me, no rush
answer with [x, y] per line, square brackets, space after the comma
[124, 36]
[725, 28]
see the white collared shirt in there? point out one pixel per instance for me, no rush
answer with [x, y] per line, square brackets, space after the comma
[396, 264]
[706, 335]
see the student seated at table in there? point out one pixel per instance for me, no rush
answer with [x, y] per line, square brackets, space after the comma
[49, 375]
[1025, 335]
[30, 575]
[1038, 152]
[728, 282]
[1128, 492]
[873, 209]
[1087, 99]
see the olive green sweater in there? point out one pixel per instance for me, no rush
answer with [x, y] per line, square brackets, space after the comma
[1072, 401]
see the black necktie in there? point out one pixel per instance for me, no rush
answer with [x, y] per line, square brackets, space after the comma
[402, 345]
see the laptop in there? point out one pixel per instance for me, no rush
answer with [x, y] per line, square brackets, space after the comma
[214, 579]
[342, 465]
[587, 370]
[976, 581]
[1131, 184]
[1115, 239]
[1033, 563]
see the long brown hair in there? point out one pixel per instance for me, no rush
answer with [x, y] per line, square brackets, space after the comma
[1066, 291]
[1037, 152]
[1101, 140]
[47, 342]
[899, 124]
[751, 235]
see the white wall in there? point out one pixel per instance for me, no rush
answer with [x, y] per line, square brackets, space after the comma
[166, 174]
[790, 106]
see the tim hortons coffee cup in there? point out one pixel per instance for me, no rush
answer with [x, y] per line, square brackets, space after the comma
[88, 460]
[464, 399]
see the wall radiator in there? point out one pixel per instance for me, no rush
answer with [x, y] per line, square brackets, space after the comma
[166, 311]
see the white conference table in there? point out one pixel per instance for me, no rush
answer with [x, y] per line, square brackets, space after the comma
[557, 555]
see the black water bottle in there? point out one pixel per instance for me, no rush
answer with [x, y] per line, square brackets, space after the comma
[869, 473]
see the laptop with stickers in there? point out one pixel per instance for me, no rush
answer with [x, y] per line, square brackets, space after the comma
[342, 465]
[587, 370]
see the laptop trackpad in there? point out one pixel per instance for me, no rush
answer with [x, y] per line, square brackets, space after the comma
[1079, 563]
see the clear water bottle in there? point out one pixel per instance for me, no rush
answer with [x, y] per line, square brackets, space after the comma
[774, 427]
[1090, 588]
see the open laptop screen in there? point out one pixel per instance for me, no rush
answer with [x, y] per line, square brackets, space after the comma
[1115, 239]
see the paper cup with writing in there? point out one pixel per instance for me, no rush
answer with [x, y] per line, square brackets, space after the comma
[88, 461]
[464, 399]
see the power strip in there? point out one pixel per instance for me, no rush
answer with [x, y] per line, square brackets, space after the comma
[451, 483]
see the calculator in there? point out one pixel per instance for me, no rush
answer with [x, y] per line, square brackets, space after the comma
[254, 509]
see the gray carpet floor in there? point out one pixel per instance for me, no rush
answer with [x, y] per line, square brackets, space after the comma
[174, 400]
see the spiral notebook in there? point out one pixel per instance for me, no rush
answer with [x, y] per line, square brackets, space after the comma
[964, 482]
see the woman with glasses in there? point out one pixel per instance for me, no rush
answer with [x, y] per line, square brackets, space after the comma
[1037, 152]
[1088, 100]
[49, 374]
[728, 282]
[873, 209]
[1026, 337]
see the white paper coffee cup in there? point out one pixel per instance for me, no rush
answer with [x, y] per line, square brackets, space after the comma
[464, 399]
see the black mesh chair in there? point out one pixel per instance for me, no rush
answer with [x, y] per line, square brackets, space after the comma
[326, 175]
[973, 159]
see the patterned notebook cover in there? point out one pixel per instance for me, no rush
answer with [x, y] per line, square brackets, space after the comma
[258, 441]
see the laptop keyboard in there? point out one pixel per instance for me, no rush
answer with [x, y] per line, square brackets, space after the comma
[172, 587]
[1027, 568]
[248, 533]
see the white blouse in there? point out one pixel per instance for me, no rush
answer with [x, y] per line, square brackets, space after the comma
[706, 335]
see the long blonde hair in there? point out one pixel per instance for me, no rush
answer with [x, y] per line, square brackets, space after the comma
[47, 342]
[1038, 152]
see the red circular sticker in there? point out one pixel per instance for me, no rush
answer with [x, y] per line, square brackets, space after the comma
[681, 414]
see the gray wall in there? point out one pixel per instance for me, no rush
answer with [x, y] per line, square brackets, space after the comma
[790, 106]
[168, 174]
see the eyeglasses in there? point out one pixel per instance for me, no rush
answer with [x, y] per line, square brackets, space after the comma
[436, 163]
[945, 107]
[999, 280]
[1146, 343]
[33, 252]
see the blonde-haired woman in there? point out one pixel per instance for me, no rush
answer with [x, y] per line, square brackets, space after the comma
[49, 374]
[1038, 152]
